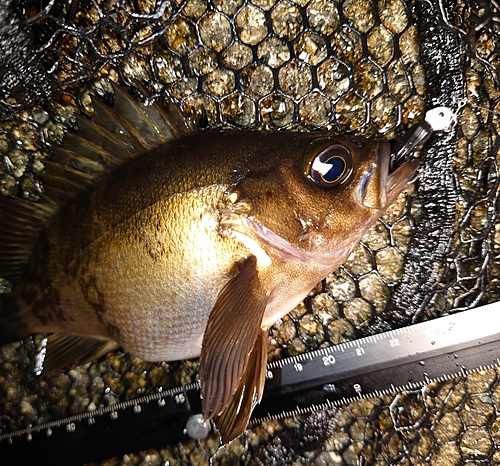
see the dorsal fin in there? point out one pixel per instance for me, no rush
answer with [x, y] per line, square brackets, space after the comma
[114, 135]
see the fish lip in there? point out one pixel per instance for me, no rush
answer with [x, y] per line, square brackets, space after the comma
[289, 252]
[393, 183]
[380, 186]
[399, 179]
[373, 185]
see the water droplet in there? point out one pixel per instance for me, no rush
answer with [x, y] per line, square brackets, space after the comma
[330, 388]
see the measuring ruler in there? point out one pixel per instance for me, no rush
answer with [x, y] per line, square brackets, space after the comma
[396, 361]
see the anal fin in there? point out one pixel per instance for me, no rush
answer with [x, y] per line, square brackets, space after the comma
[70, 349]
[233, 351]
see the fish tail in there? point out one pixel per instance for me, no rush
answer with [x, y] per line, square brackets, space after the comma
[6, 336]
[20, 224]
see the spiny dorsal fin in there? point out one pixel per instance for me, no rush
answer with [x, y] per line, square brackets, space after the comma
[114, 135]
[150, 125]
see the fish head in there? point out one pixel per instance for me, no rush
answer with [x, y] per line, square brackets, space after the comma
[299, 203]
[321, 193]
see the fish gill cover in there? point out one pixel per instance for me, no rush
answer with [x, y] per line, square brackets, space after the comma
[363, 67]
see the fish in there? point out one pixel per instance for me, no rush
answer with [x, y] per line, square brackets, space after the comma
[173, 242]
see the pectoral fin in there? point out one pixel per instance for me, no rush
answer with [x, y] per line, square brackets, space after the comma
[234, 419]
[233, 353]
[69, 349]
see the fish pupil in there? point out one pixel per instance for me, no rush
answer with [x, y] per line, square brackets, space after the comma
[327, 168]
[336, 171]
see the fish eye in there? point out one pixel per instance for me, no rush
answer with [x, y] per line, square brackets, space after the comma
[329, 168]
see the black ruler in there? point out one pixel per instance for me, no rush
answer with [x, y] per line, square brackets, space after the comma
[390, 362]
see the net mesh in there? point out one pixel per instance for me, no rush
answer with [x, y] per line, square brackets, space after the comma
[364, 67]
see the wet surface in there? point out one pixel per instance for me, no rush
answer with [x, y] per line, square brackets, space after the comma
[269, 65]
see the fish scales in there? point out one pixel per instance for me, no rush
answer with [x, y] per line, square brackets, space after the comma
[247, 221]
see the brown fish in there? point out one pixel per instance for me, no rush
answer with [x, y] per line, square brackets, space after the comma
[182, 244]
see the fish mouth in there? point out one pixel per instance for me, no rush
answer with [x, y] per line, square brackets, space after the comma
[399, 178]
[381, 189]
[380, 185]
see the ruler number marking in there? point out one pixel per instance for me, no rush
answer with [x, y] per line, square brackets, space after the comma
[329, 360]
[394, 342]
